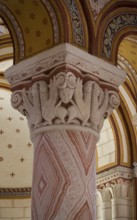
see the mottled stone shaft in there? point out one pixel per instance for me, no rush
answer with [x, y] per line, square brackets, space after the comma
[64, 178]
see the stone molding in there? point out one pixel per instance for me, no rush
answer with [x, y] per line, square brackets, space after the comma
[116, 185]
[116, 175]
[62, 54]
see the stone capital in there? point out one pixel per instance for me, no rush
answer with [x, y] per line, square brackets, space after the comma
[65, 87]
[117, 182]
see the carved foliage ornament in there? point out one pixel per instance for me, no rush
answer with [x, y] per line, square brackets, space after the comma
[118, 188]
[65, 100]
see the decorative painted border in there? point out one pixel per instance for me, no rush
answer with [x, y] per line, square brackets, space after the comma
[114, 26]
[17, 30]
[79, 36]
[15, 192]
[54, 20]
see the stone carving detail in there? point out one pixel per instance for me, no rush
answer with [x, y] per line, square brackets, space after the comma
[65, 100]
[118, 188]
[113, 176]
[115, 195]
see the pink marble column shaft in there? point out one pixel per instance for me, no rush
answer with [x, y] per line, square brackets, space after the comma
[64, 176]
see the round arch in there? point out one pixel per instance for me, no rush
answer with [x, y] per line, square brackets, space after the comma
[113, 29]
[15, 32]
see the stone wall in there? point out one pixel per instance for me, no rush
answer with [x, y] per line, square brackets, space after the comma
[15, 209]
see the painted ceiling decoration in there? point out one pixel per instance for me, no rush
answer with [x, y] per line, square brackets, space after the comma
[6, 46]
[54, 21]
[107, 29]
[43, 21]
[46, 23]
[15, 27]
[117, 24]
[77, 23]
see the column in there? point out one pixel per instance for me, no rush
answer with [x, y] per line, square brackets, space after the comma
[116, 190]
[106, 202]
[65, 94]
[122, 205]
[135, 188]
[121, 209]
[104, 190]
[98, 205]
[106, 210]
